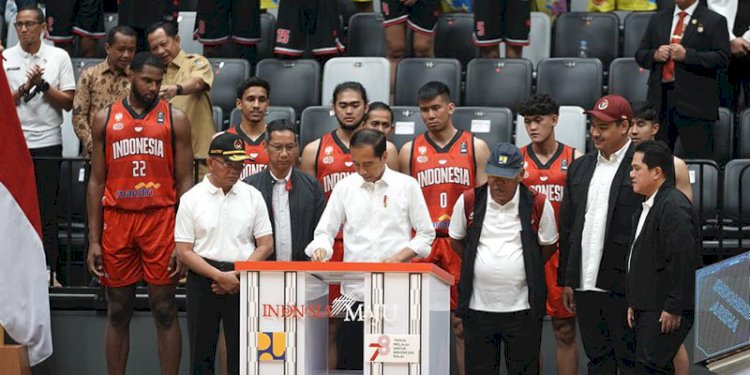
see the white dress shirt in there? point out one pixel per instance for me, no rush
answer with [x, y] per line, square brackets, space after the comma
[676, 17]
[40, 120]
[500, 283]
[281, 220]
[378, 220]
[595, 224]
[222, 227]
[646, 208]
[728, 9]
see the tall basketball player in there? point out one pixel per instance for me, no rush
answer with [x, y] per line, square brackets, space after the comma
[141, 163]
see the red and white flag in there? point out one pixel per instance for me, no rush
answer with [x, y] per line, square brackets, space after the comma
[24, 298]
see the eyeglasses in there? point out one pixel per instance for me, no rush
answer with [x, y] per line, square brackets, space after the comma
[278, 148]
[27, 24]
[230, 164]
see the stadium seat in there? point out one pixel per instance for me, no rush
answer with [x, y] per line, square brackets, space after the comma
[723, 132]
[509, 81]
[314, 123]
[71, 144]
[267, 36]
[366, 35]
[453, 37]
[413, 73]
[272, 113]
[704, 181]
[228, 73]
[570, 129]
[540, 39]
[743, 149]
[110, 21]
[635, 27]
[186, 29]
[628, 79]
[295, 83]
[71, 199]
[735, 209]
[374, 73]
[218, 116]
[492, 125]
[407, 124]
[599, 31]
[571, 81]
[81, 63]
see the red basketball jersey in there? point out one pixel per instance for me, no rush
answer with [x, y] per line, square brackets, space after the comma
[333, 162]
[139, 157]
[256, 150]
[443, 174]
[548, 178]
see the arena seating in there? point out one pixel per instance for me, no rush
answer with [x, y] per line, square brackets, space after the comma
[628, 79]
[598, 32]
[297, 82]
[413, 73]
[374, 73]
[272, 113]
[228, 73]
[453, 37]
[490, 124]
[571, 81]
[366, 37]
[635, 27]
[485, 76]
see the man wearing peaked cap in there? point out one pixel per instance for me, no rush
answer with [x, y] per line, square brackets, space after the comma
[504, 233]
[595, 225]
[211, 233]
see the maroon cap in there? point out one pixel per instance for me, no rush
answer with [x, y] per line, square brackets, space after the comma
[611, 108]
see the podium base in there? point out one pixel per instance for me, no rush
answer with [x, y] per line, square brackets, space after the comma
[14, 360]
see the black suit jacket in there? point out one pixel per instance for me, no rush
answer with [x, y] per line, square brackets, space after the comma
[622, 203]
[306, 204]
[665, 254]
[696, 87]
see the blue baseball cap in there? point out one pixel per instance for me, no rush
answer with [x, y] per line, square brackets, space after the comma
[505, 161]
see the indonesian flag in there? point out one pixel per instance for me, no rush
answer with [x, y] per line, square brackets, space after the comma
[24, 299]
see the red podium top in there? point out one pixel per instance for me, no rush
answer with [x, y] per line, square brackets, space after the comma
[347, 267]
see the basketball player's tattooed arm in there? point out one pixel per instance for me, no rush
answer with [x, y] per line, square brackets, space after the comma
[308, 158]
[481, 153]
[95, 193]
[404, 157]
[183, 158]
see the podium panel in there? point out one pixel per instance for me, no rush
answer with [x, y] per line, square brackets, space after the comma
[284, 315]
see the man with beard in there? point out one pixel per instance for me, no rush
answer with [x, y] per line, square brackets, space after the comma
[252, 101]
[141, 165]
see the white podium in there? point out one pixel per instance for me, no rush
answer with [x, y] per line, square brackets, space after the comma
[284, 315]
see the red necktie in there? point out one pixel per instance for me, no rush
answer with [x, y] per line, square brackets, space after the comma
[667, 73]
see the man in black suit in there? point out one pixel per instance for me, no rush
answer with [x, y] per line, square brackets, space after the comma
[684, 47]
[294, 199]
[595, 225]
[662, 261]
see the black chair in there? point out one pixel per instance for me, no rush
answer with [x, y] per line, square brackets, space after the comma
[188, 5]
[218, 116]
[628, 79]
[407, 124]
[635, 27]
[366, 37]
[228, 73]
[600, 32]
[296, 82]
[267, 36]
[498, 82]
[272, 113]
[743, 149]
[413, 73]
[723, 133]
[704, 181]
[314, 123]
[571, 81]
[453, 37]
[735, 208]
[80, 64]
[492, 125]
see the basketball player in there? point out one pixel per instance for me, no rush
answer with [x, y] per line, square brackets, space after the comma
[252, 101]
[142, 161]
[546, 163]
[446, 162]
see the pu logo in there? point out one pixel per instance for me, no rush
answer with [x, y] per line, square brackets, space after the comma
[271, 346]
[150, 185]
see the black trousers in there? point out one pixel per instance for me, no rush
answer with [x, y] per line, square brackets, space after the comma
[734, 83]
[350, 343]
[696, 135]
[654, 351]
[607, 339]
[519, 332]
[47, 183]
[205, 310]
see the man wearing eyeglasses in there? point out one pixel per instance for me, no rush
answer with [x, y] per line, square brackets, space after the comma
[41, 77]
[293, 198]
[219, 222]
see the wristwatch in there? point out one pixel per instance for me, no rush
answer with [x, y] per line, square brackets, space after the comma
[43, 86]
[179, 89]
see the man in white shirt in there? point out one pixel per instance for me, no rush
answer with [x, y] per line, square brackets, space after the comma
[218, 223]
[41, 77]
[736, 82]
[379, 208]
[595, 226]
[504, 233]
